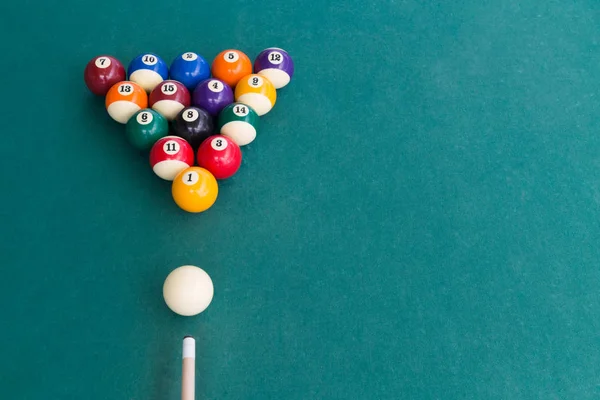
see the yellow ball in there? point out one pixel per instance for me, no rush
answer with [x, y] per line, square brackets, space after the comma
[195, 189]
[256, 91]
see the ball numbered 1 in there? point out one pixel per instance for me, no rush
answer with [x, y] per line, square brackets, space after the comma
[169, 156]
[148, 70]
[230, 66]
[276, 65]
[213, 95]
[169, 98]
[125, 99]
[220, 155]
[101, 73]
[258, 92]
[190, 69]
[239, 122]
[145, 127]
[195, 190]
[194, 125]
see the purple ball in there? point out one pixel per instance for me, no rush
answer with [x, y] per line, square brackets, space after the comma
[276, 65]
[213, 95]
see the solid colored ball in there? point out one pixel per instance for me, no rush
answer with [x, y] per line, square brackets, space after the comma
[195, 189]
[101, 73]
[239, 122]
[220, 155]
[194, 124]
[276, 65]
[148, 70]
[125, 99]
[145, 127]
[212, 95]
[169, 156]
[230, 66]
[258, 92]
[188, 290]
[169, 98]
[190, 69]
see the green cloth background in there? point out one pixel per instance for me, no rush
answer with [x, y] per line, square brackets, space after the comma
[417, 219]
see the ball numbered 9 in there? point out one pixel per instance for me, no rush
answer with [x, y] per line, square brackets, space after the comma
[258, 92]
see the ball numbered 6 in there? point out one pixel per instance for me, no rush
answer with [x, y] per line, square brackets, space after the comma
[145, 127]
[195, 190]
[125, 99]
[258, 92]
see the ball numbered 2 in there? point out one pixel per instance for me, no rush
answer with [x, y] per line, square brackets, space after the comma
[190, 69]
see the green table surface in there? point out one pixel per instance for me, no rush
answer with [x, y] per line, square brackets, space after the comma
[417, 219]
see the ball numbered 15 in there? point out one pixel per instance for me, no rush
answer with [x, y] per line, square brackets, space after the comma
[169, 98]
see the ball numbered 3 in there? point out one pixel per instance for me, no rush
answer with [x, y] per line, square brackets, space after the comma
[220, 155]
[169, 98]
[125, 99]
[148, 70]
[195, 189]
[258, 92]
[169, 156]
[239, 122]
[230, 66]
[276, 65]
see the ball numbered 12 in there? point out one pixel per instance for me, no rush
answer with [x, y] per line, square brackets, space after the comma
[101, 73]
[169, 156]
[258, 92]
[220, 155]
[125, 99]
[276, 65]
[195, 189]
[145, 127]
[148, 70]
[169, 98]
[190, 69]
[239, 122]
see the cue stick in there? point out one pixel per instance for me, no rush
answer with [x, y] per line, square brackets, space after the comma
[188, 369]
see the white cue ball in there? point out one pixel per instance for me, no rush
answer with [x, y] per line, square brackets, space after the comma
[188, 290]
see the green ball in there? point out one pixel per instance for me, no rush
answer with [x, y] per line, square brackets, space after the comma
[239, 122]
[145, 127]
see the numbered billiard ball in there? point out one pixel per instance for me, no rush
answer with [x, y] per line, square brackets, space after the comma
[276, 65]
[145, 127]
[220, 155]
[212, 95]
[148, 70]
[230, 66]
[190, 69]
[194, 124]
[258, 92]
[101, 73]
[169, 98]
[195, 189]
[239, 122]
[125, 99]
[169, 156]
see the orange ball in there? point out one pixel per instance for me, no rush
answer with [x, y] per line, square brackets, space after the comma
[124, 99]
[230, 66]
[195, 189]
[256, 91]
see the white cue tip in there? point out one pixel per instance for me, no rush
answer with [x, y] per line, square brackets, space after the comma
[188, 380]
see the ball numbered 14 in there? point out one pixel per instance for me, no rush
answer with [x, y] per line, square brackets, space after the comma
[240, 122]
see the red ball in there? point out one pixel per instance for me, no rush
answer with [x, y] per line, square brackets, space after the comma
[101, 73]
[171, 155]
[169, 98]
[220, 155]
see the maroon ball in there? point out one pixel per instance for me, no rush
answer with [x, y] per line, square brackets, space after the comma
[169, 98]
[101, 73]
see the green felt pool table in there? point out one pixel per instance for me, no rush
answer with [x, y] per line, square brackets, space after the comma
[417, 218]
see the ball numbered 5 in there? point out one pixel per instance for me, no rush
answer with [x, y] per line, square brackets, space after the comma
[169, 98]
[148, 70]
[195, 190]
[125, 99]
[258, 92]
[230, 66]
[169, 156]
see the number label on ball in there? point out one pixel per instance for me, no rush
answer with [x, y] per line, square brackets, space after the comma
[190, 115]
[149, 59]
[168, 88]
[144, 118]
[190, 178]
[240, 111]
[275, 57]
[218, 144]
[190, 56]
[125, 89]
[171, 147]
[102, 62]
[255, 81]
[215, 86]
[231, 56]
